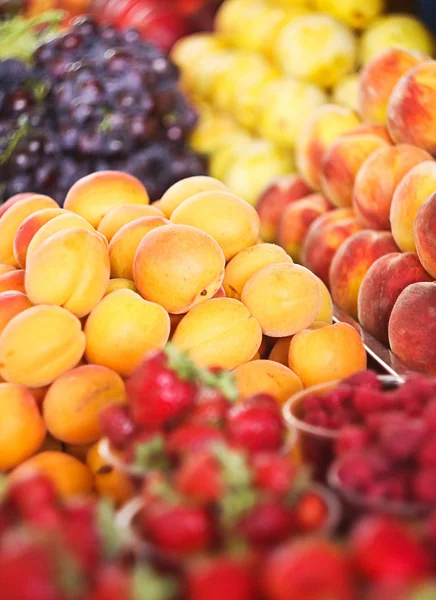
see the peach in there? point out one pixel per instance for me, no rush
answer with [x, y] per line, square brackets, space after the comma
[415, 187]
[425, 234]
[272, 202]
[124, 244]
[283, 297]
[13, 200]
[120, 283]
[73, 402]
[341, 163]
[70, 269]
[377, 180]
[14, 280]
[266, 377]
[229, 220]
[6, 269]
[326, 354]
[69, 476]
[381, 286]
[379, 77]
[249, 261]
[109, 482]
[184, 189]
[411, 115]
[412, 327]
[178, 266]
[296, 220]
[122, 328]
[93, 196]
[372, 129]
[40, 344]
[324, 237]
[219, 332]
[22, 429]
[352, 261]
[12, 303]
[328, 122]
[12, 219]
[121, 215]
[325, 314]
[27, 230]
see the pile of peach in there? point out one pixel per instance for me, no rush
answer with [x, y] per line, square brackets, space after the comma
[362, 212]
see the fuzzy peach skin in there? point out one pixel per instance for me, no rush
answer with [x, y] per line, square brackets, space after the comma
[120, 283]
[95, 195]
[13, 200]
[70, 269]
[341, 163]
[412, 327]
[379, 77]
[178, 266]
[184, 189]
[384, 281]
[266, 377]
[377, 180]
[219, 332]
[11, 220]
[121, 215]
[109, 482]
[73, 402]
[352, 261]
[249, 261]
[326, 354]
[22, 429]
[12, 303]
[296, 220]
[327, 123]
[411, 114]
[40, 344]
[69, 476]
[125, 243]
[122, 328]
[380, 131]
[13, 280]
[275, 198]
[283, 297]
[410, 194]
[27, 230]
[425, 234]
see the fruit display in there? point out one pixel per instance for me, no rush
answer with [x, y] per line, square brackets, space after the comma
[269, 66]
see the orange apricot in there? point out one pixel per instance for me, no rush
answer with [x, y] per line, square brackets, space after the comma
[28, 228]
[109, 481]
[13, 281]
[120, 283]
[121, 215]
[266, 377]
[184, 189]
[12, 303]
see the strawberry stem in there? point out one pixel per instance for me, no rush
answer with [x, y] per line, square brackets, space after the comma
[180, 362]
[151, 454]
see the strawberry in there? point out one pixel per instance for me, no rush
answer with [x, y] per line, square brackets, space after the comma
[192, 438]
[199, 477]
[268, 523]
[112, 583]
[117, 425]
[220, 577]
[34, 498]
[81, 534]
[311, 512]
[211, 409]
[273, 472]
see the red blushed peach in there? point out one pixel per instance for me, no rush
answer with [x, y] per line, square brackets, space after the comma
[411, 114]
[377, 180]
[379, 77]
[271, 204]
[381, 286]
[352, 261]
[296, 220]
[412, 327]
[425, 235]
[324, 237]
[373, 129]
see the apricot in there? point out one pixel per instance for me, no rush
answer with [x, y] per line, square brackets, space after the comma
[6, 269]
[425, 234]
[124, 244]
[121, 215]
[73, 402]
[415, 187]
[120, 283]
[377, 180]
[325, 314]
[70, 269]
[13, 200]
[379, 77]
[352, 261]
[412, 327]
[12, 303]
[328, 122]
[184, 189]
[266, 377]
[122, 328]
[22, 429]
[12, 219]
[13, 281]
[296, 220]
[27, 230]
[341, 163]
[39, 394]
[40, 344]
[329, 353]
[229, 220]
[79, 452]
[109, 482]
[219, 332]
[249, 261]
[69, 476]
[280, 350]
[178, 266]
[95, 195]
[283, 297]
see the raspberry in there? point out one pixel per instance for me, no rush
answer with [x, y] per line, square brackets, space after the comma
[317, 418]
[367, 400]
[312, 402]
[430, 416]
[424, 485]
[364, 379]
[427, 454]
[394, 488]
[340, 418]
[337, 398]
[401, 440]
[351, 437]
[376, 421]
[359, 472]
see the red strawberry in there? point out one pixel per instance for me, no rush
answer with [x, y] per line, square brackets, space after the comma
[273, 472]
[200, 477]
[192, 438]
[211, 409]
[112, 583]
[256, 427]
[116, 423]
[220, 578]
[81, 534]
[34, 498]
[311, 512]
[267, 523]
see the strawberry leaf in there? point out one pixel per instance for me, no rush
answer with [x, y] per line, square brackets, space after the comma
[180, 362]
[151, 454]
[148, 585]
[111, 536]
